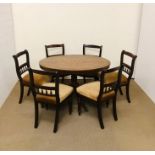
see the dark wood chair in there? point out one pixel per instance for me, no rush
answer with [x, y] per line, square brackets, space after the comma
[127, 72]
[99, 92]
[94, 50]
[97, 48]
[55, 94]
[60, 51]
[22, 63]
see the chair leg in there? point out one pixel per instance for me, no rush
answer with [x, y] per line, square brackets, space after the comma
[107, 103]
[46, 106]
[96, 78]
[51, 79]
[127, 93]
[99, 111]
[29, 91]
[84, 79]
[36, 115]
[42, 105]
[63, 79]
[114, 109]
[21, 93]
[79, 105]
[70, 105]
[120, 90]
[84, 107]
[56, 120]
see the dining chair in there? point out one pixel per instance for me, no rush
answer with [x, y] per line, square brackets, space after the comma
[98, 92]
[55, 50]
[127, 68]
[22, 63]
[50, 50]
[91, 49]
[53, 93]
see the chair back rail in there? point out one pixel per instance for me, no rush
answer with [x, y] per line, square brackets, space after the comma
[109, 87]
[94, 47]
[47, 47]
[21, 68]
[128, 69]
[52, 91]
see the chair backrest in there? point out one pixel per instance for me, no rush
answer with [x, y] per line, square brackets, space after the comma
[107, 87]
[127, 68]
[21, 67]
[95, 47]
[54, 46]
[50, 91]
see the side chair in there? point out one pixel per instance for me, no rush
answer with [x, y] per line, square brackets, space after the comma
[23, 74]
[53, 93]
[99, 92]
[88, 49]
[97, 49]
[60, 47]
[127, 72]
[60, 51]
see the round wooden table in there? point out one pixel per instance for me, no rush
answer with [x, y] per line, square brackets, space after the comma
[75, 65]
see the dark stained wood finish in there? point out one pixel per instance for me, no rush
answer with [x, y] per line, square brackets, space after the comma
[128, 69]
[85, 46]
[104, 88]
[62, 52]
[75, 64]
[47, 47]
[99, 53]
[21, 69]
[49, 92]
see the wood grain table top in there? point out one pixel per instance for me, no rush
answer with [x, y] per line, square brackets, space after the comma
[74, 63]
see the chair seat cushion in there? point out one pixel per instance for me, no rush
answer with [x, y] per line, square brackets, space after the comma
[38, 79]
[64, 92]
[91, 91]
[112, 77]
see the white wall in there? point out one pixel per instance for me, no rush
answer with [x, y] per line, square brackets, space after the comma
[116, 26]
[7, 47]
[145, 69]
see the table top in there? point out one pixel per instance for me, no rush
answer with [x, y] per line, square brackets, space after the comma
[74, 64]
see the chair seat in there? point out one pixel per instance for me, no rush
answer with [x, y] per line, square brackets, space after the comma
[38, 79]
[91, 91]
[64, 92]
[112, 77]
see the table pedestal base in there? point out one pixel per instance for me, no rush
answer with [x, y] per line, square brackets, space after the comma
[75, 84]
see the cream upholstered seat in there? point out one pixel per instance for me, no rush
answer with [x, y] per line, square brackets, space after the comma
[112, 77]
[54, 94]
[64, 92]
[126, 68]
[91, 90]
[38, 79]
[99, 92]
[22, 64]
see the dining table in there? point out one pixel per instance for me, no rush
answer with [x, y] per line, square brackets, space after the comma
[74, 65]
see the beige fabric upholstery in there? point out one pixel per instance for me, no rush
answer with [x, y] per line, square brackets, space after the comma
[112, 77]
[64, 92]
[91, 90]
[38, 79]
